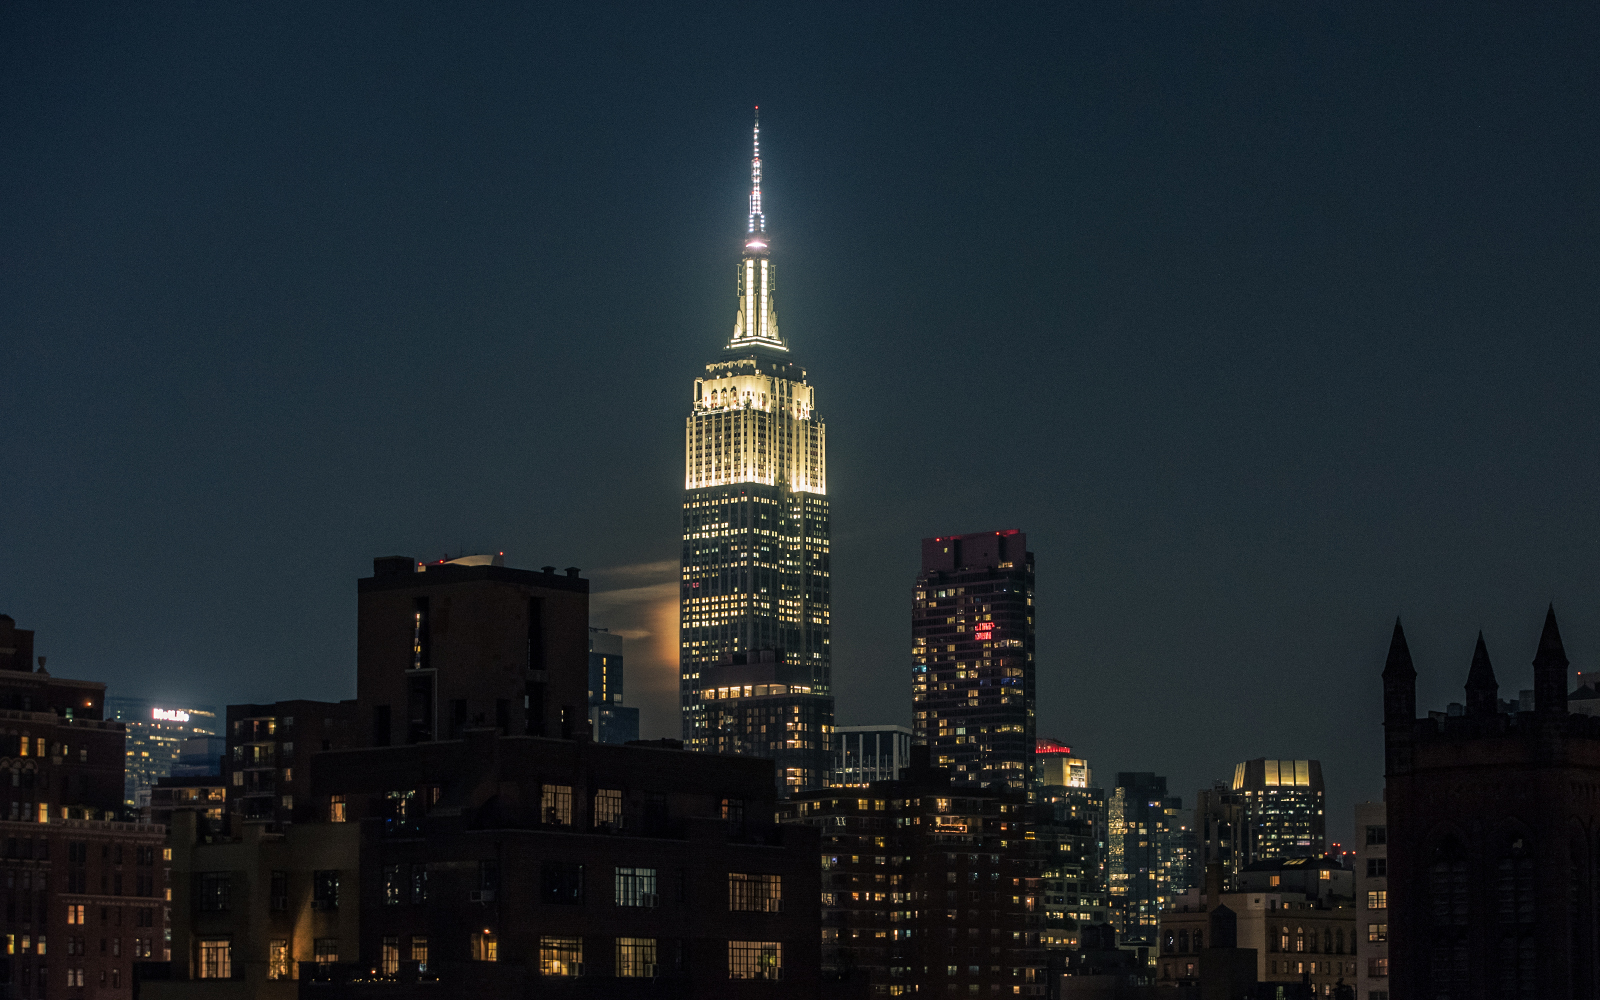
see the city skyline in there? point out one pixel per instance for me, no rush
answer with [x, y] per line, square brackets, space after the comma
[1255, 373]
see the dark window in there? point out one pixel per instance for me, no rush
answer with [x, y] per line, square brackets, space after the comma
[489, 875]
[502, 715]
[214, 891]
[733, 809]
[458, 717]
[533, 702]
[280, 891]
[419, 709]
[562, 883]
[1377, 867]
[325, 890]
[419, 883]
[380, 726]
[1377, 835]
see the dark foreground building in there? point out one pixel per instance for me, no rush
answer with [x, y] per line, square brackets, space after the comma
[929, 888]
[1493, 837]
[480, 842]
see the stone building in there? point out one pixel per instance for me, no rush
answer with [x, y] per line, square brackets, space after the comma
[1493, 836]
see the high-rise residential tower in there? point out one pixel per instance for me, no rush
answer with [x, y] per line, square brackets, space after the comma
[972, 657]
[755, 670]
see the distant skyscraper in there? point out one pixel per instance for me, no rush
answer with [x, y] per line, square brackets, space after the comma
[1145, 834]
[972, 657]
[157, 731]
[755, 589]
[608, 720]
[1069, 830]
[1272, 809]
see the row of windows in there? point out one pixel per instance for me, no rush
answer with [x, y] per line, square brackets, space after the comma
[558, 956]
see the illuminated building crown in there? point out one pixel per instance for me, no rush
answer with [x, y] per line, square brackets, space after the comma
[756, 324]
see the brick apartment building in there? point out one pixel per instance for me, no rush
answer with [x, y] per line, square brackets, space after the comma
[84, 893]
[928, 888]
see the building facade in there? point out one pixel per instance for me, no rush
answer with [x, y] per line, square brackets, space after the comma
[1372, 901]
[254, 910]
[156, 734]
[609, 721]
[503, 629]
[972, 657]
[864, 754]
[85, 892]
[1271, 809]
[267, 764]
[1143, 853]
[928, 888]
[1491, 825]
[517, 865]
[762, 704]
[1296, 940]
[755, 560]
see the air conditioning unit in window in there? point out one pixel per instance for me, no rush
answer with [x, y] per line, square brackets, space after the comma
[481, 896]
[649, 899]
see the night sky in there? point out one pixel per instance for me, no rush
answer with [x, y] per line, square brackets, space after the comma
[1265, 323]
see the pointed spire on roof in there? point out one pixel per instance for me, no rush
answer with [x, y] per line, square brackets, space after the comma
[1550, 669]
[1551, 652]
[1399, 663]
[1483, 691]
[758, 220]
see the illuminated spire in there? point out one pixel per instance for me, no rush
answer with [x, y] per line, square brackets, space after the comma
[758, 221]
[757, 321]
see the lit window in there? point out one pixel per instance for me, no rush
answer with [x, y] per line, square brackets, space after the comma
[555, 804]
[608, 808]
[755, 893]
[216, 958]
[419, 952]
[1378, 899]
[278, 958]
[326, 951]
[755, 959]
[390, 957]
[560, 956]
[636, 957]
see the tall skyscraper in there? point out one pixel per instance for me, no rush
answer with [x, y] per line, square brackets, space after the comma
[972, 657]
[1145, 853]
[754, 625]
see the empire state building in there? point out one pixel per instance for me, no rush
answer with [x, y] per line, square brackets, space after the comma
[755, 674]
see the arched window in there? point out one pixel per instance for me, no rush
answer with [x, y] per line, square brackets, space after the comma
[1338, 939]
[1517, 948]
[1327, 941]
[1299, 939]
[1183, 940]
[1199, 937]
[1446, 915]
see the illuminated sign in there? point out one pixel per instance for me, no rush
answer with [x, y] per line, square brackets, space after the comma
[169, 715]
[983, 630]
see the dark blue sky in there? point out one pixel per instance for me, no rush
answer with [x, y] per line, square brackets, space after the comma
[1266, 323]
